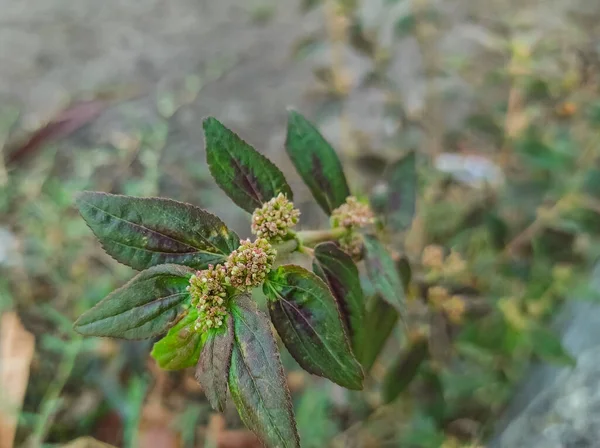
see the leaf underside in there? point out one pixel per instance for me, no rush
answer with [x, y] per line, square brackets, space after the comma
[256, 379]
[316, 162]
[145, 232]
[306, 316]
[148, 305]
[336, 268]
[213, 368]
[245, 175]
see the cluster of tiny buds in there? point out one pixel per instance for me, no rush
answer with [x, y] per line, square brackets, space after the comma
[439, 265]
[352, 244]
[352, 214]
[208, 295]
[245, 268]
[274, 219]
[248, 265]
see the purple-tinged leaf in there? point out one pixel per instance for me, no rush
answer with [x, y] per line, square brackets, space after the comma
[248, 177]
[144, 232]
[256, 379]
[307, 318]
[336, 268]
[316, 162]
[213, 368]
[68, 121]
[148, 305]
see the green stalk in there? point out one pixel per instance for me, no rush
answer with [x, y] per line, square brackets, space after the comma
[312, 237]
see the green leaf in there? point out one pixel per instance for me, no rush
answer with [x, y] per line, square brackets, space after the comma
[337, 269]
[405, 271]
[181, 346]
[307, 318]
[213, 368]
[316, 162]
[402, 193]
[144, 232]
[548, 346]
[313, 415]
[383, 274]
[148, 305]
[405, 26]
[404, 370]
[248, 177]
[381, 319]
[256, 379]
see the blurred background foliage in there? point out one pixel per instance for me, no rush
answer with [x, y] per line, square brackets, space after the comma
[508, 214]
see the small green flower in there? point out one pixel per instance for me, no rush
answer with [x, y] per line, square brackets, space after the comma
[248, 265]
[352, 214]
[274, 219]
[207, 289]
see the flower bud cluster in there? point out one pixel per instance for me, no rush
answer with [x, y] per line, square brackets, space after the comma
[352, 244]
[438, 265]
[274, 219]
[248, 265]
[352, 214]
[208, 295]
[245, 268]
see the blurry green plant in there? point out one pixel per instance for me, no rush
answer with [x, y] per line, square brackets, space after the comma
[197, 277]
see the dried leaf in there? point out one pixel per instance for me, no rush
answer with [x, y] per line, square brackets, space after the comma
[68, 121]
[16, 351]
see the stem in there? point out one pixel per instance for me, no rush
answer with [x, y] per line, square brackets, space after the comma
[51, 402]
[312, 237]
[286, 248]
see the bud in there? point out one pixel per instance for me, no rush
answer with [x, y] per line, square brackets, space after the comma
[437, 295]
[352, 244]
[274, 219]
[352, 214]
[433, 257]
[454, 265]
[207, 289]
[248, 265]
[455, 309]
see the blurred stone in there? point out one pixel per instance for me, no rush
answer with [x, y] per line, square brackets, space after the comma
[559, 407]
[8, 247]
[473, 170]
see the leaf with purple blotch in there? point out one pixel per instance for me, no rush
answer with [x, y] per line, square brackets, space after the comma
[145, 232]
[316, 162]
[245, 175]
[148, 305]
[307, 318]
[336, 268]
[256, 379]
[213, 368]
